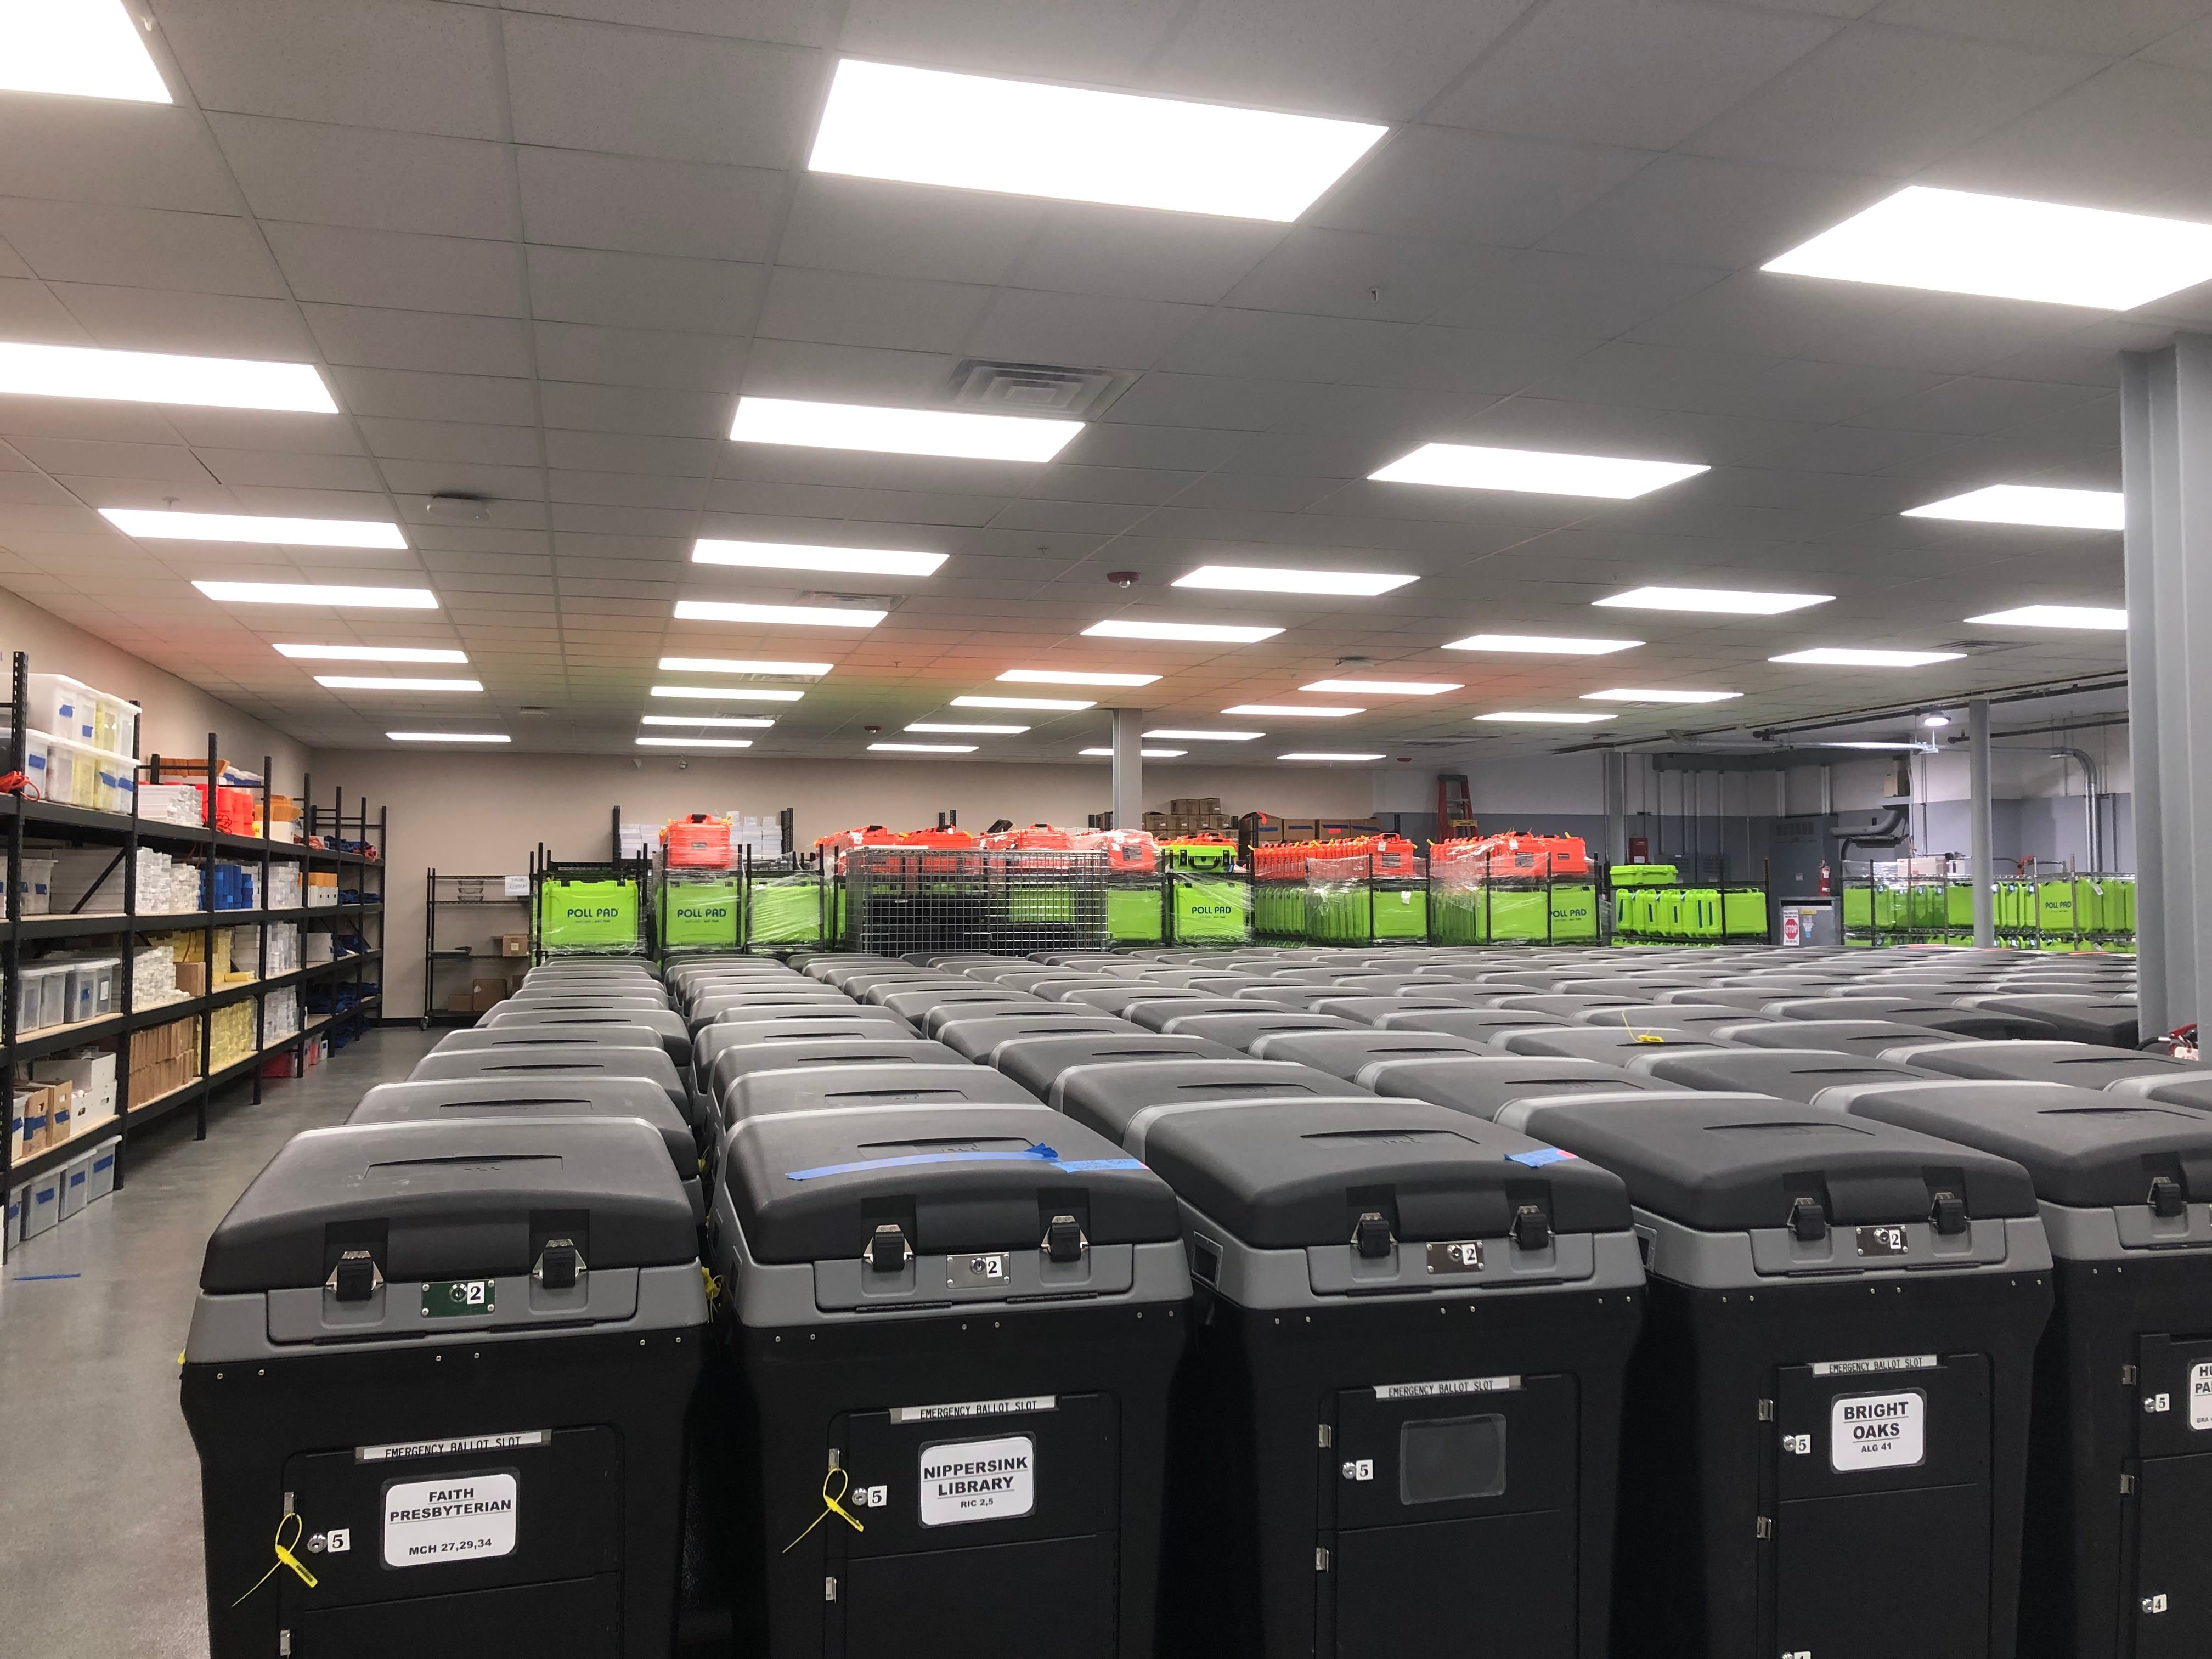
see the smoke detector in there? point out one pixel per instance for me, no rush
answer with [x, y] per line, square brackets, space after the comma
[1122, 578]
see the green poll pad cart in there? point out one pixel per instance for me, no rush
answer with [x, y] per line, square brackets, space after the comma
[599, 913]
[702, 915]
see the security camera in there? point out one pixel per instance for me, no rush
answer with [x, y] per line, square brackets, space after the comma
[684, 766]
[1122, 578]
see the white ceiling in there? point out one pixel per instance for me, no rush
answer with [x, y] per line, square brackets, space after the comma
[538, 250]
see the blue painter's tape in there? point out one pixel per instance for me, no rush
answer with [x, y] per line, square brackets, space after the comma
[1539, 1157]
[1045, 1155]
[32, 1279]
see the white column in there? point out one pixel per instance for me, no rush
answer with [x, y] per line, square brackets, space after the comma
[2165, 463]
[1981, 823]
[1128, 768]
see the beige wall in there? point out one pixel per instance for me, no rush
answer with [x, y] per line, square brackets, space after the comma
[178, 716]
[478, 814]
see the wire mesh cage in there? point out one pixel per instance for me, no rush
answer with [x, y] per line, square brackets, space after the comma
[900, 900]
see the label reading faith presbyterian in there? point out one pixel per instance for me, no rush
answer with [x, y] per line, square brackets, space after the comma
[978, 1481]
[457, 1517]
[1878, 1431]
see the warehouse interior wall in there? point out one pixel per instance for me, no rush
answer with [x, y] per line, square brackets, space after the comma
[478, 814]
[177, 714]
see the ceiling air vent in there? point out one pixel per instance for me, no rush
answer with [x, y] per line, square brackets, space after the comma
[1982, 645]
[864, 601]
[999, 388]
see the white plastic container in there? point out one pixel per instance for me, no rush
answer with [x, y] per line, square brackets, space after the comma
[42, 1203]
[115, 779]
[116, 724]
[67, 707]
[80, 992]
[34, 893]
[103, 973]
[41, 996]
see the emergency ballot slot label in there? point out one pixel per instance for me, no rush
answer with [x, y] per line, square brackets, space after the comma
[2200, 1395]
[978, 1481]
[1878, 1431]
[457, 1517]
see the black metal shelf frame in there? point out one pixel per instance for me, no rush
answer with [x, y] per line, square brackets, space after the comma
[127, 833]
[433, 954]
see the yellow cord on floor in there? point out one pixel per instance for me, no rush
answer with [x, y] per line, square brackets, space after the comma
[829, 1506]
[1641, 1036]
[284, 1558]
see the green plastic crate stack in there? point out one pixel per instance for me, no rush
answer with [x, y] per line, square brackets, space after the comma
[594, 915]
[1398, 910]
[1132, 909]
[1278, 909]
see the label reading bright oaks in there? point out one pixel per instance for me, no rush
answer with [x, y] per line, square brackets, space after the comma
[978, 1481]
[456, 1517]
[1878, 1430]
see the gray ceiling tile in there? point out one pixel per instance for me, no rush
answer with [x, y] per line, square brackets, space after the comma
[637, 357]
[633, 92]
[370, 180]
[390, 269]
[793, 22]
[125, 154]
[138, 247]
[1695, 210]
[411, 394]
[1025, 326]
[413, 65]
[1050, 40]
[2055, 25]
[426, 342]
[573, 198]
[1475, 187]
[631, 290]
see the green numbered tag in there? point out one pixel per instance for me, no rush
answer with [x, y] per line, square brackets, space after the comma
[459, 1298]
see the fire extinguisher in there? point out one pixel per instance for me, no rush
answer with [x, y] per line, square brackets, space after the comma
[1825, 890]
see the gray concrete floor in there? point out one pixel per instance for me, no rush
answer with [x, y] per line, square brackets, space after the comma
[99, 1509]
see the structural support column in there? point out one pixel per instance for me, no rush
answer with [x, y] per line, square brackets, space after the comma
[1616, 807]
[2165, 457]
[1981, 823]
[1128, 768]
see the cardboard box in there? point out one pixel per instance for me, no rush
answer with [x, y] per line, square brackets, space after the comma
[485, 994]
[193, 978]
[514, 944]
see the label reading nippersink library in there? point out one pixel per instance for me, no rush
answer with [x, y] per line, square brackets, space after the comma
[978, 1481]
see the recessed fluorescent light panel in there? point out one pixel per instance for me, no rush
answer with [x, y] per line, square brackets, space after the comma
[924, 748]
[155, 377]
[1843, 656]
[2102, 618]
[449, 737]
[371, 653]
[811, 671]
[393, 682]
[729, 693]
[1026, 138]
[1071, 676]
[2032, 504]
[1062, 703]
[1541, 645]
[1536, 717]
[1292, 709]
[1323, 755]
[705, 719]
[1958, 242]
[1147, 754]
[78, 48]
[802, 616]
[1187, 633]
[245, 527]
[790, 556]
[1621, 694]
[899, 431]
[372, 599]
[950, 728]
[694, 742]
[1536, 471]
[1385, 688]
[1712, 601]
[1173, 734]
[1256, 579]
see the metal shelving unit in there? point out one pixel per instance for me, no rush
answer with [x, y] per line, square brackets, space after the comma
[127, 834]
[433, 902]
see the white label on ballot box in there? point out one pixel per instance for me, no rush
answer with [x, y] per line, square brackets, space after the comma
[457, 1517]
[1878, 1430]
[2200, 1395]
[978, 1481]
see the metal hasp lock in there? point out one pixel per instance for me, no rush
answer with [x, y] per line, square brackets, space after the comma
[1064, 1240]
[1370, 1235]
[1806, 1221]
[560, 1264]
[888, 1252]
[1949, 1214]
[2166, 1197]
[356, 1278]
[1532, 1228]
